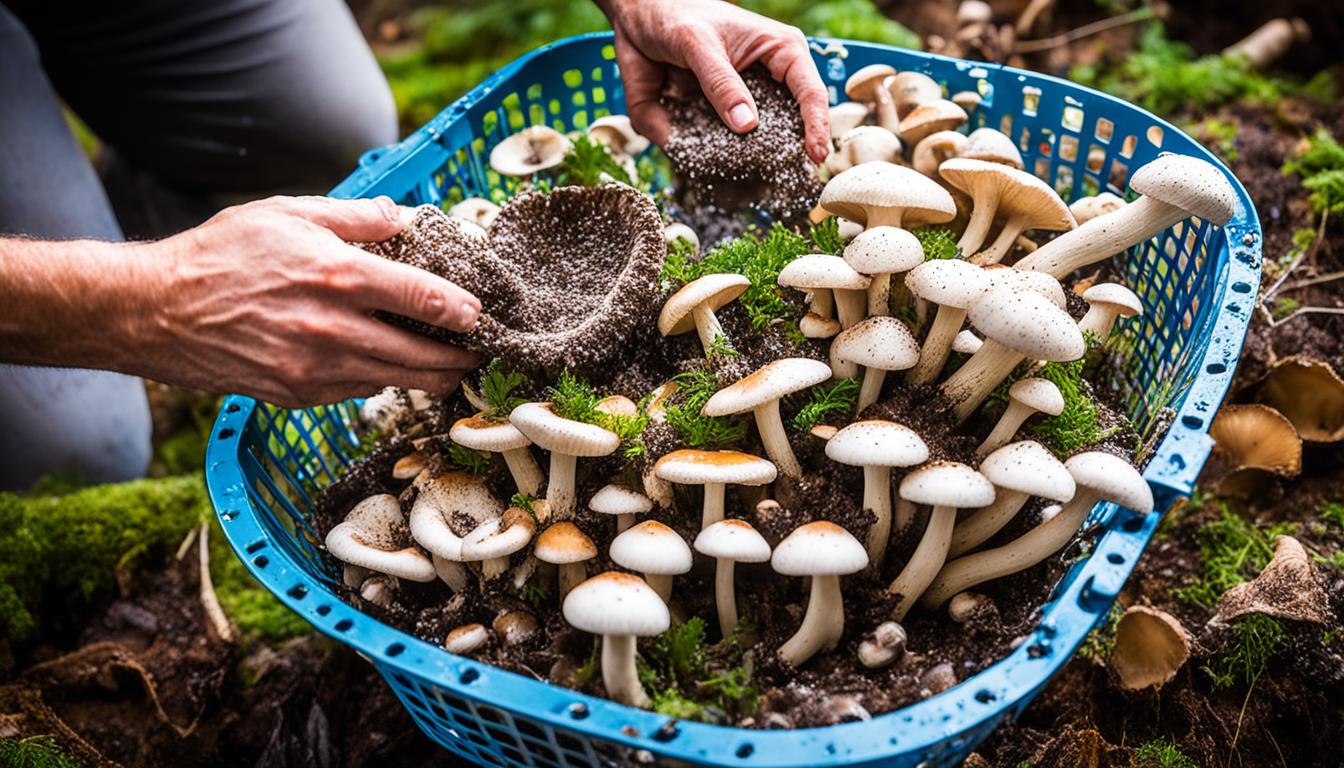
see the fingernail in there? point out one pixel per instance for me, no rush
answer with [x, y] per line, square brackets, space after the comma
[469, 314]
[741, 117]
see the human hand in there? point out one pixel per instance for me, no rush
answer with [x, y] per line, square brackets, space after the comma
[268, 300]
[677, 42]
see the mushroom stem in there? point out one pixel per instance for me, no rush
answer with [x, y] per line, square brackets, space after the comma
[1019, 554]
[972, 383]
[879, 295]
[526, 474]
[877, 499]
[775, 440]
[571, 575]
[821, 302]
[707, 325]
[493, 568]
[1007, 426]
[982, 216]
[1099, 319]
[849, 306]
[822, 626]
[987, 521]
[925, 563]
[905, 515]
[618, 671]
[886, 110]
[560, 485]
[452, 573]
[1102, 237]
[713, 509]
[871, 389]
[937, 344]
[660, 583]
[841, 368]
[623, 523]
[724, 596]
[1002, 244]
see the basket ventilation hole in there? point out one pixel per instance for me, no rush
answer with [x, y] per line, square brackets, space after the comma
[746, 750]
[469, 676]
[233, 408]
[323, 610]
[1115, 558]
[578, 710]
[228, 515]
[1193, 422]
[984, 697]
[344, 625]
[261, 561]
[1038, 650]
[226, 433]
[667, 732]
[1241, 287]
[395, 649]
[1133, 524]
[298, 592]
[256, 547]
[1216, 368]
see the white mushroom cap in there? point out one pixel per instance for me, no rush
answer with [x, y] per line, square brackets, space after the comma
[466, 638]
[374, 536]
[692, 466]
[966, 342]
[617, 405]
[616, 132]
[1027, 467]
[1038, 394]
[1113, 478]
[992, 146]
[884, 250]
[715, 289]
[820, 270]
[481, 434]
[948, 282]
[734, 540]
[1027, 323]
[931, 117]
[879, 342]
[619, 500]
[771, 382]
[820, 548]
[476, 210]
[1085, 209]
[1012, 192]
[967, 100]
[528, 151]
[1188, 183]
[563, 543]
[1123, 300]
[910, 88]
[553, 433]
[863, 84]
[439, 498]
[499, 537]
[933, 149]
[846, 116]
[1004, 276]
[864, 144]
[947, 484]
[653, 548]
[615, 603]
[875, 442]
[679, 231]
[887, 190]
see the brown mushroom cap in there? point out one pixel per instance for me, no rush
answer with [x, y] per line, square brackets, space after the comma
[692, 466]
[1308, 393]
[1285, 589]
[563, 543]
[1251, 443]
[931, 117]
[863, 84]
[481, 434]
[1014, 192]
[1150, 648]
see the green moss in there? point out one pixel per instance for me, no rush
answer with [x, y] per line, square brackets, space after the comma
[722, 348]
[1078, 425]
[34, 752]
[938, 242]
[588, 164]
[1232, 550]
[826, 238]
[1281, 307]
[1218, 135]
[1160, 753]
[675, 668]
[837, 398]
[757, 257]
[1321, 166]
[682, 411]
[499, 388]
[1254, 640]
[573, 398]
[1099, 643]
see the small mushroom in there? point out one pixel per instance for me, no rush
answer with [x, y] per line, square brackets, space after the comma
[884, 194]
[515, 628]
[946, 486]
[1098, 476]
[1285, 589]
[1018, 472]
[935, 148]
[715, 470]
[466, 639]
[883, 647]
[1309, 394]
[824, 551]
[483, 434]
[1251, 444]
[693, 307]
[567, 440]
[930, 117]
[911, 89]
[953, 285]
[760, 393]
[617, 405]
[616, 132]
[439, 499]
[374, 536]
[1150, 648]
[1021, 199]
[625, 504]
[966, 343]
[877, 446]
[1085, 209]
[1026, 397]
[881, 253]
[846, 116]
[1107, 302]
[379, 589]
[493, 541]
[730, 542]
[991, 146]
[879, 344]
[864, 144]
[619, 607]
[531, 150]
[678, 231]
[565, 546]
[476, 210]
[965, 606]
[827, 279]
[654, 550]
[969, 101]
[869, 85]
[409, 466]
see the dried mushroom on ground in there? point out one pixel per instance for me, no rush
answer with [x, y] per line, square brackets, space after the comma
[798, 401]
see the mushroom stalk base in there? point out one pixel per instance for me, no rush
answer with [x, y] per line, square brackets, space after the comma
[871, 389]
[1100, 319]
[724, 597]
[822, 626]
[452, 573]
[618, 671]
[925, 562]
[946, 325]
[987, 521]
[775, 439]
[972, 383]
[571, 575]
[707, 325]
[526, 474]
[820, 303]
[560, 486]
[1002, 244]
[879, 296]
[713, 510]
[877, 499]
[493, 568]
[1103, 237]
[1003, 431]
[660, 583]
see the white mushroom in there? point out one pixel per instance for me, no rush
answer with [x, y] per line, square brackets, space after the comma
[654, 550]
[1018, 472]
[715, 470]
[566, 439]
[476, 210]
[482, 434]
[374, 536]
[1106, 303]
[1026, 397]
[953, 285]
[883, 253]
[619, 607]
[884, 194]
[678, 231]
[1019, 198]
[930, 117]
[877, 446]
[827, 279]
[616, 132]
[624, 503]
[493, 541]
[465, 639]
[846, 116]
[991, 146]
[864, 144]
[565, 546]
[693, 306]
[966, 342]
[730, 542]
[911, 89]
[824, 551]
[760, 393]
[884, 646]
[1085, 209]
[531, 150]
[869, 85]
[879, 344]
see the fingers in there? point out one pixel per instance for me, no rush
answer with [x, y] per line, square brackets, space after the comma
[720, 81]
[361, 221]
[397, 346]
[644, 82]
[365, 378]
[405, 290]
[792, 65]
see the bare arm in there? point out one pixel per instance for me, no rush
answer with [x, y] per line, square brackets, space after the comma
[264, 299]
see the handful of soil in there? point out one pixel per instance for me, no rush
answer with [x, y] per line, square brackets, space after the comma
[563, 278]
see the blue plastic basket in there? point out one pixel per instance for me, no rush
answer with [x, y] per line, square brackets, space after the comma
[1197, 282]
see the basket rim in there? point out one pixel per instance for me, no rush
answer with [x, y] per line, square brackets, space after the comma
[1003, 687]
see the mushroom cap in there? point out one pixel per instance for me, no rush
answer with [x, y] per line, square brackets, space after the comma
[967, 100]
[552, 432]
[1004, 276]
[617, 133]
[864, 143]
[614, 603]
[875, 442]
[1027, 467]
[770, 382]
[481, 434]
[500, 536]
[733, 539]
[1308, 393]
[651, 547]
[477, 210]
[1125, 302]
[947, 484]
[692, 466]
[948, 282]
[1188, 183]
[1253, 440]
[992, 146]
[910, 88]
[1285, 589]
[715, 290]
[617, 405]
[884, 250]
[1013, 192]
[1027, 323]
[863, 84]
[966, 342]
[373, 536]
[931, 117]
[439, 498]
[563, 543]
[1085, 209]
[1038, 394]
[618, 500]
[822, 270]
[819, 548]
[879, 342]
[528, 151]
[878, 185]
[933, 149]
[1150, 647]
[466, 638]
[679, 231]
[845, 116]
[1112, 477]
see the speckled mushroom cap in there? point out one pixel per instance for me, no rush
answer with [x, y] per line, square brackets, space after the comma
[477, 210]
[948, 282]
[966, 342]
[617, 133]
[947, 484]
[856, 192]
[770, 382]
[481, 434]
[618, 500]
[1027, 467]
[931, 117]
[552, 432]
[991, 146]
[1027, 323]
[1011, 191]
[733, 539]
[845, 116]
[615, 603]
[500, 536]
[536, 310]
[863, 84]
[909, 89]
[1123, 300]
[879, 342]
[876, 442]
[1040, 283]
[935, 148]
[651, 547]
[529, 151]
[1038, 394]
[1188, 183]
[715, 290]
[883, 250]
[439, 500]
[1113, 478]
[562, 544]
[822, 270]
[692, 466]
[820, 548]
[374, 536]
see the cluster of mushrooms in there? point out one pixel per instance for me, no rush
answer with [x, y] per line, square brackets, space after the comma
[898, 162]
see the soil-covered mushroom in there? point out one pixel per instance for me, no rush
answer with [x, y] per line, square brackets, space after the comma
[374, 536]
[825, 552]
[654, 550]
[620, 608]
[693, 307]
[884, 194]
[1107, 302]
[483, 434]
[493, 541]
[567, 440]
[1251, 444]
[884, 647]
[439, 500]
[409, 466]
[930, 117]
[531, 150]
[953, 285]
[1026, 397]
[565, 546]
[715, 470]
[760, 393]
[829, 281]
[1285, 589]
[883, 253]
[877, 446]
[730, 542]
[466, 639]
[623, 503]
[1150, 648]
[879, 344]
[996, 190]
[1309, 394]
[1018, 472]
[869, 84]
